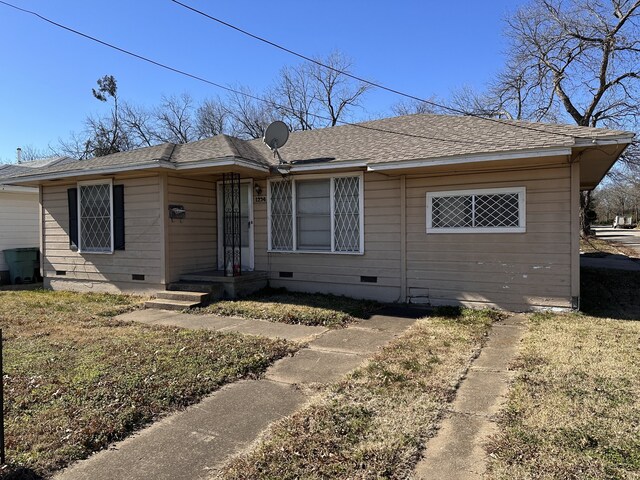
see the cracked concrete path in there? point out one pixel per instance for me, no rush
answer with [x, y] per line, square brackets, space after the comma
[457, 452]
[263, 328]
[196, 442]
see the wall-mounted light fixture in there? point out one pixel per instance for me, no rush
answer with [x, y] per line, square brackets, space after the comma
[177, 212]
[258, 189]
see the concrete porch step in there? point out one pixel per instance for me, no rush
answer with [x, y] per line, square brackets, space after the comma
[229, 287]
[162, 304]
[213, 290]
[191, 296]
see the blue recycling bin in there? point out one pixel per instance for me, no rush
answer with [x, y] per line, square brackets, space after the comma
[22, 264]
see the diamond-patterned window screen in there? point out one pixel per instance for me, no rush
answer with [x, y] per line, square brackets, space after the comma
[497, 210]
[312, 216]
[346, 212]
[452, 212]
[281, 216]
[476, 210]
[95, 218]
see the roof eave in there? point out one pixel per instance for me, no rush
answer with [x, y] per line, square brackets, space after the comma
[326, 166]
[223, 162]
[610, 140]
[473, 158]
[18, 189]
[156, 164]
[26, 179]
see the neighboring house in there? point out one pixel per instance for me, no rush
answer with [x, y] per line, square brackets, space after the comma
[19, 210]
[424, 208]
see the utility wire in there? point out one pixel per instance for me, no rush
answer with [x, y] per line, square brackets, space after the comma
[226, 88]
[360, 79]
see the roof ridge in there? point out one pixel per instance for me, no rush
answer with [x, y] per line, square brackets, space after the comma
[231, 144]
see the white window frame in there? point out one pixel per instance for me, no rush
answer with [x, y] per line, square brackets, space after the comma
[331, 177]
[89, 183]
[522, 213]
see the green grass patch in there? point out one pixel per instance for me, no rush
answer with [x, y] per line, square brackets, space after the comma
[77, 380]
[294, 308]
[374, 423]
[573, 411]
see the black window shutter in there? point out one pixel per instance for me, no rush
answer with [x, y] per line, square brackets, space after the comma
[118, 217]
[72, 197]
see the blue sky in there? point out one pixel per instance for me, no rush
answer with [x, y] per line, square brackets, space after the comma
[422, 47]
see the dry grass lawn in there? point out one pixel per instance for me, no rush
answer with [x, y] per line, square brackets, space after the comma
[573, 412]
[574, 409]
[76, 380]
[594, 245]
[294, 308]
[374, 423]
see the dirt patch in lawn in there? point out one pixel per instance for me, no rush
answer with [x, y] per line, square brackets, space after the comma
[77, 380]
[295, 308]
[375, 422]
[573, 411]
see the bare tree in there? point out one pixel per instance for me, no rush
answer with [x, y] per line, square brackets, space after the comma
[74, 146]
[212, 118]
[250, 114]
[140, 124]
[295, 97]
[583, 54]
[413, 106]
[175, 120]
[581, 57]
[313, 95]
[336, 92]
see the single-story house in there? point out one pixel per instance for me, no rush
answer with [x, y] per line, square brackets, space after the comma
[19, 210]
[428, 209]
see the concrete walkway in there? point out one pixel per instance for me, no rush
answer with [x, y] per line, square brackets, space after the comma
[457, 452]
[195, 443]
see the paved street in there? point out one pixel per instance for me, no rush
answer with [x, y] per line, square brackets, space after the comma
[630, 238]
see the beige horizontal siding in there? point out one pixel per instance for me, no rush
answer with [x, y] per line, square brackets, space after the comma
[339, 273]
[515, 271]
[106, 272]
[192, 241]
[18, 222]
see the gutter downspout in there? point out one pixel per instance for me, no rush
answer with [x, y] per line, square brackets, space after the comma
[575, 233]
[403, 239]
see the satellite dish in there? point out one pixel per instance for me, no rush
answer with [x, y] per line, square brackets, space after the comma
[276, 135]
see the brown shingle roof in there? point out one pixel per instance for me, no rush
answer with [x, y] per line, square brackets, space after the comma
[139, 156]
[430, 136]
[408, 137]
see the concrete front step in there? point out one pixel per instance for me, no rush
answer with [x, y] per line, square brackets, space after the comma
[199, 297]
[215, 290]
[163, 304]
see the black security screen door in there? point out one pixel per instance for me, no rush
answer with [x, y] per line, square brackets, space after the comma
[231, 224]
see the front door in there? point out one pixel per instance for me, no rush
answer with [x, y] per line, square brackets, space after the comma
[246, 225]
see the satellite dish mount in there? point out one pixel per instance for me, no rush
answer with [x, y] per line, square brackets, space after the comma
[275, 136]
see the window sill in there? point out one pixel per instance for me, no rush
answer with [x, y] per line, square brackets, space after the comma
[477, 230]
[314, 252]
